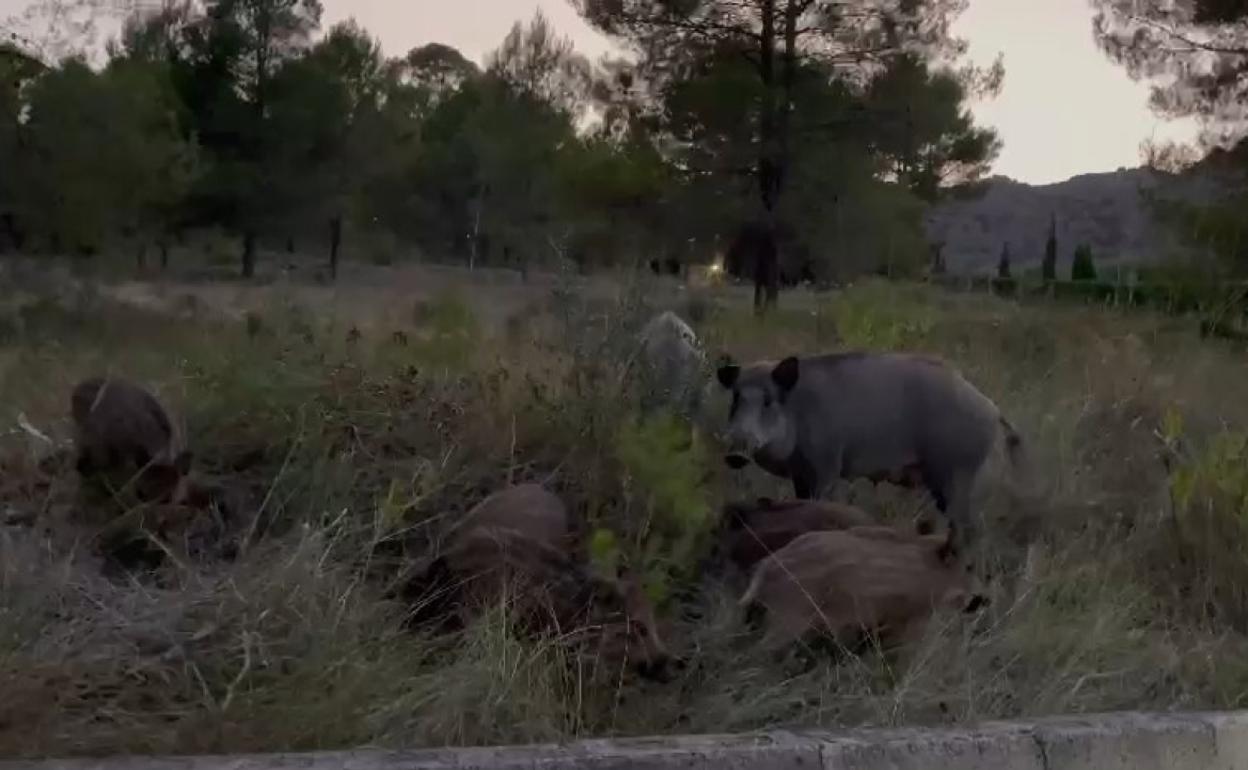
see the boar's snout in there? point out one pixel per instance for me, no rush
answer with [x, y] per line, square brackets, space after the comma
[736, 460]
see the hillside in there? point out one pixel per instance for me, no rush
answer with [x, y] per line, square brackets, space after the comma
[1105, 211]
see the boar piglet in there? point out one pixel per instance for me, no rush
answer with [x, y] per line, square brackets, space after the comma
[526, 508]
[508, 553]
[753, 531]
[124, 437]
[873, 581]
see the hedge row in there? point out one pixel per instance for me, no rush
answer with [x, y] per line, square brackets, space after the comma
[1169, 298]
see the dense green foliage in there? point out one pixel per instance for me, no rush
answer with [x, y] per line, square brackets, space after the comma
[241, 117]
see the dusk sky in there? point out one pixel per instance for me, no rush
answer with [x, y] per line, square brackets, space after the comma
[1065, 108]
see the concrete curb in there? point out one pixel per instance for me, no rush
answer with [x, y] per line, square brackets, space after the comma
[1121, 741]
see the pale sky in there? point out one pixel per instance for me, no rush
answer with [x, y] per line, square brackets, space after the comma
[1065, 108]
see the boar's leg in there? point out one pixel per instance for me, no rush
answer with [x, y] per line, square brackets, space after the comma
[952, 493]
[809, 482]
[939, 486]
[936, 485]
[803, 489]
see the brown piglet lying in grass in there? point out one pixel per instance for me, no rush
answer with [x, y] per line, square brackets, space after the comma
[874, 581]
[513, 548]
[753, 531]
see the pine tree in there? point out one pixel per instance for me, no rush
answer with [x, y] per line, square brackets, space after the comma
[1082, 269]
[1049, 266]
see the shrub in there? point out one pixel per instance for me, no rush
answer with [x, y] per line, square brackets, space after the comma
[448, 332]
[665, 467]
[865, 319]
[1049, 266]
[1209, 493]
[1082, 269]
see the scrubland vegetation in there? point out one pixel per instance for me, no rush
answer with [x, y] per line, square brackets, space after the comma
[1117, 563]
[356, 407]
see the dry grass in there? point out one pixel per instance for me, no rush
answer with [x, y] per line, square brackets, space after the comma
[1119, 576]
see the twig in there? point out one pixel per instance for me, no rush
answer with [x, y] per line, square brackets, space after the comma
[24, 423]
[246, 669]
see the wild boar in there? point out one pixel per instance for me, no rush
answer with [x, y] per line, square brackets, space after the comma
[876, 581]
[124, 435]
[527, 508]
[506, 553]
[753, 531]
[882, 416]
[672, 362]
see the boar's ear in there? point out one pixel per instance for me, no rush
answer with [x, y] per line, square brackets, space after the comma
[728, 373]
[786, 372]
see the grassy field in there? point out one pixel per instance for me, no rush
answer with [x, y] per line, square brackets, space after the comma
[1120, 575]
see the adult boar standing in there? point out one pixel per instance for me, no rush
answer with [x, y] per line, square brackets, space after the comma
[881, 416]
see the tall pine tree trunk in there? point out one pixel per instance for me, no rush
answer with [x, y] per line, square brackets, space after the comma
[335, 240]
[476, 230]
[766, 272]
[8, 226]
[249, 254]
[780, 144]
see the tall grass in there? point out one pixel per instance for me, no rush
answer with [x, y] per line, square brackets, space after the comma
[1118, 575]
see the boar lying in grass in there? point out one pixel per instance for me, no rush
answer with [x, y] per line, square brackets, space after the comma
[525, 508]
[753, 531]
[514, 548]
[865, 582]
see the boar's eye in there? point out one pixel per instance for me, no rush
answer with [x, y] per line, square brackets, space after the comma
[766, 400]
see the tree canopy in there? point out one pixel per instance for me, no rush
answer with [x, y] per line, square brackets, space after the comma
[812, 131]
[762, 99]
[1196, 54]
